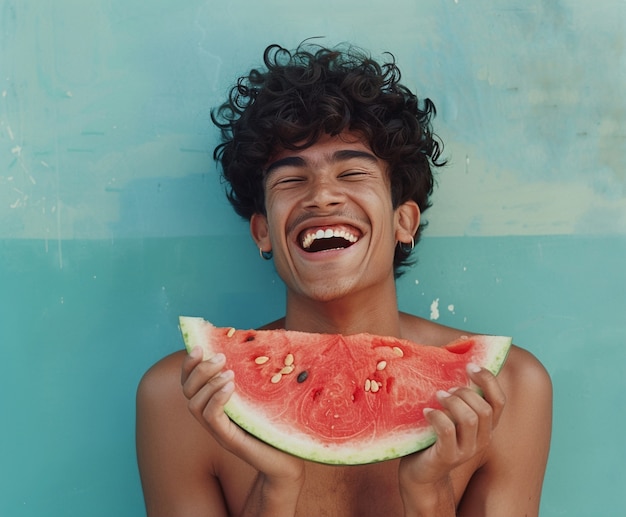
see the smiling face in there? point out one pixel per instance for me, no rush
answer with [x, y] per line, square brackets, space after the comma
[330, 221]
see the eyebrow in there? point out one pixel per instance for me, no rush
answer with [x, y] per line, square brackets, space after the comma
[337, 156]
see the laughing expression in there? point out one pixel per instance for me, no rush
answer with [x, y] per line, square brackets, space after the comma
[315, 241]
[330, 222]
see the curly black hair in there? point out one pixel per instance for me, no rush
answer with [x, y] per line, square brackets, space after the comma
[312, 91]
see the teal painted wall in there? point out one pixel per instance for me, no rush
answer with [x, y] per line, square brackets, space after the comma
[112, 221]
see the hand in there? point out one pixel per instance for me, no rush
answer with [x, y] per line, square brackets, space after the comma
[208, 388]
[464, 429]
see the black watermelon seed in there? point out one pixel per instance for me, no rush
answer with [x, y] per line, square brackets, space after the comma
[302, 376]
[250, 338]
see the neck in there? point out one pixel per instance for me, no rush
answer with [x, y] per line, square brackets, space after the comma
[359, 312]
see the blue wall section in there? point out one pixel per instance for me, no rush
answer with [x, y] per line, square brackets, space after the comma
[76, 341]
[112, 219]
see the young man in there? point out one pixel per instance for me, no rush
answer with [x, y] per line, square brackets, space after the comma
[324, 139]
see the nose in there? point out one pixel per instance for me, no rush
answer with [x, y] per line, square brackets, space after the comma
[324, 193]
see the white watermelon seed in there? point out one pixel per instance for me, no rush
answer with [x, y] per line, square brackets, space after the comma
[289, 360]
[276, 378]
[381, 365]
[374, 387]
[368, 384]
[398, 351]
[231, 331]
[287, 370]
[262, 359]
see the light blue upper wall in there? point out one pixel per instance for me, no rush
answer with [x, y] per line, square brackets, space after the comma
[104, 109]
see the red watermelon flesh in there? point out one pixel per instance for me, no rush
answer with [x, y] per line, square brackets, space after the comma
[339, 399]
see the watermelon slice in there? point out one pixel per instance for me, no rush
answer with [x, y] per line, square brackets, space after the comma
[339, 399]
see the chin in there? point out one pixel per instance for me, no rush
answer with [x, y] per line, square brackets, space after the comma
[330, 291]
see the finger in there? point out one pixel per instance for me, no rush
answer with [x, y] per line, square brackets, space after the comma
[190, 361]
[201, 373]
[491, 390]
[473, 417]
[468, 418]
[207, 404]
[446, 445]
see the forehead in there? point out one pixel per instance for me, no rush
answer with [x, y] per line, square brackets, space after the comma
[342, 147]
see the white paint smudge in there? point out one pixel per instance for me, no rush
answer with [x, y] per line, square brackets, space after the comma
[451, 308]
[434, 309]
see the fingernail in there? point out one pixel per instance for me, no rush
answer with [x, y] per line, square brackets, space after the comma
[217, 358]
[196, 352]
[443, 394]
[473, 368]
[227, 375]
[427, 410]
[452, 390]
[229, 386]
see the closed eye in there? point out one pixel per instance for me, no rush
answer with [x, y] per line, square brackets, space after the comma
[285, 181]
[290, 180]
[353, 174]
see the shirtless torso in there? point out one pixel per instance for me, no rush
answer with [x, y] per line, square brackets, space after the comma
[186, 473]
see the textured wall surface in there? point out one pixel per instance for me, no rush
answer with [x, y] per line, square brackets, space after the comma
[112, 219]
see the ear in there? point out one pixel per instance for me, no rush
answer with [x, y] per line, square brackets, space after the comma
[259, 229]
[407, 221]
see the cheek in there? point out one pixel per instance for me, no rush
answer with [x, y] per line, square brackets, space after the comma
[276, 227]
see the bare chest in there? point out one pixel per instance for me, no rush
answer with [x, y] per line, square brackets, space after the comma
[369, 490]
[333, 491]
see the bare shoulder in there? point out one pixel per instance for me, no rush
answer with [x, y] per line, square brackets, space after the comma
[162, 412]
[527, 417]
[524, 376]
[161, 406]
[160, 377]
[159, 394]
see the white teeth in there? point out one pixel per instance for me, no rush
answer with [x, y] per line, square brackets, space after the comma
[309, 238]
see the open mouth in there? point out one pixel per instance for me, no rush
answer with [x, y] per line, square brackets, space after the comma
[314, 240]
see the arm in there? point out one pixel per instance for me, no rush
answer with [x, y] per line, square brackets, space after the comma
[507, 447]
[173, 451]
[464, 427]
[511, 478]
[280, 477]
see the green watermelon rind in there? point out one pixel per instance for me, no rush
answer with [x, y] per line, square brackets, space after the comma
[248, 417]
